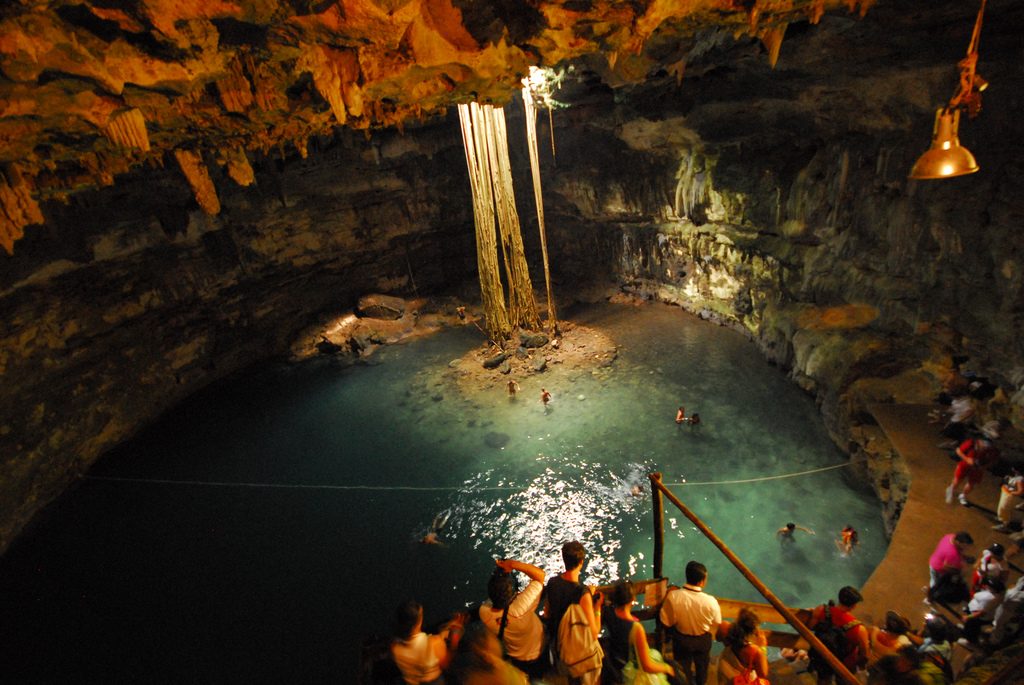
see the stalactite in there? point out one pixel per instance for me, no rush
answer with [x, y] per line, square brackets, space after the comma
[335, 75]
[839, 189]
[266, 96]
[238, 165]
[692, 187]
[531, 136]
[128, 129]
[17, 207]
[753, 16]
[325, 78]
[235, 90]
[816, 11]
[772, 40]
[483, 214]
[198, 176]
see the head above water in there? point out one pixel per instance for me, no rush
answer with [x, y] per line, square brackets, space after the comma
[849, 596]
[790, 527]
[573, 554]
[696, 573]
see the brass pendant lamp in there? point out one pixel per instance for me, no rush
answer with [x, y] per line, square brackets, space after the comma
[947, 158]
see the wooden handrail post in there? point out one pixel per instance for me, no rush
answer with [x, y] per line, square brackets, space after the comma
[659, 524]
[835, 663]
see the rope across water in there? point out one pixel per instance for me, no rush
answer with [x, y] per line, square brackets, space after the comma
[464, 488]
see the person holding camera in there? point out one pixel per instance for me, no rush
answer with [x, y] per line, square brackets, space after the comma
[512, 615]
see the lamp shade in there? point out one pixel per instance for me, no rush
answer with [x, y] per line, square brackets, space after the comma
[946, 158]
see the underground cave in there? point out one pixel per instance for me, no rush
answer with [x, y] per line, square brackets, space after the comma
[188, 192]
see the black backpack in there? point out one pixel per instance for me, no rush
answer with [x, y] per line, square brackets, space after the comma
[833, 637]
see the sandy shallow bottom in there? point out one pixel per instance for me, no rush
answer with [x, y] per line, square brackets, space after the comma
[260, 529]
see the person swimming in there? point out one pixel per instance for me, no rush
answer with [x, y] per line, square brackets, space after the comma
[848, 539]
[681, 415]
[435, 528]
[695, 420]
[786, 534]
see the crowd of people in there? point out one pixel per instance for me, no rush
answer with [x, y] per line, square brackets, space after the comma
[559, 625]
[990, 615]
[586, 636]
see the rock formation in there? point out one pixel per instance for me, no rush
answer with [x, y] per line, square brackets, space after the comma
[774, 200]
[89, 92]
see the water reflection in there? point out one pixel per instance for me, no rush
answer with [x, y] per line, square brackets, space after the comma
[383, 452]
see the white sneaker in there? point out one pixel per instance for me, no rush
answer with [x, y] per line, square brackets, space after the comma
[949, 495]
[963, 501]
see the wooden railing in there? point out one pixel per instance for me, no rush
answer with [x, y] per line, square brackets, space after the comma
[657, 491]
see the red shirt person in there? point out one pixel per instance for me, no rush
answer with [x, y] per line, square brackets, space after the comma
[975, 457]
[857, 646]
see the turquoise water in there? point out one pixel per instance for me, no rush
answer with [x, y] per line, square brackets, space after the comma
[259, 530]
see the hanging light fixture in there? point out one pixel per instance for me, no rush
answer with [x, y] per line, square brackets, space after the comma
[947, 158]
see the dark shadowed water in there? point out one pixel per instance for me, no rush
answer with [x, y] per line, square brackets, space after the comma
[259, 530]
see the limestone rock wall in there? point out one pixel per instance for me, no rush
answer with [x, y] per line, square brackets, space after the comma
[858, 282]
[771, 200]
[132, 297]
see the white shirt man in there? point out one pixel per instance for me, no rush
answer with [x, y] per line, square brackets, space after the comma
[695, 617]
[524, 634]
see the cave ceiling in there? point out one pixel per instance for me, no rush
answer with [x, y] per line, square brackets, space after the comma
[89, 90]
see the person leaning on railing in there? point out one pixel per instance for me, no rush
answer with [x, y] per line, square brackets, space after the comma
[628, 653]
[421, 657]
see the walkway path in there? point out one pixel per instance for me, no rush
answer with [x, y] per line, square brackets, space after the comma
[896, 583]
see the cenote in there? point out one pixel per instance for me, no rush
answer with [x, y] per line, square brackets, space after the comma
[263, 527]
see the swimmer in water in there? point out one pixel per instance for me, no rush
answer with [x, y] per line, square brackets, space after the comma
[513, 387]
[695, 421]
[681, 415]
[545, 397]
[637, 491]
[786, 533]
[848, 540]
[431, 537]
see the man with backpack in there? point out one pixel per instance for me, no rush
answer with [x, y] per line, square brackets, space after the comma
[841, 633]
[572, 612]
